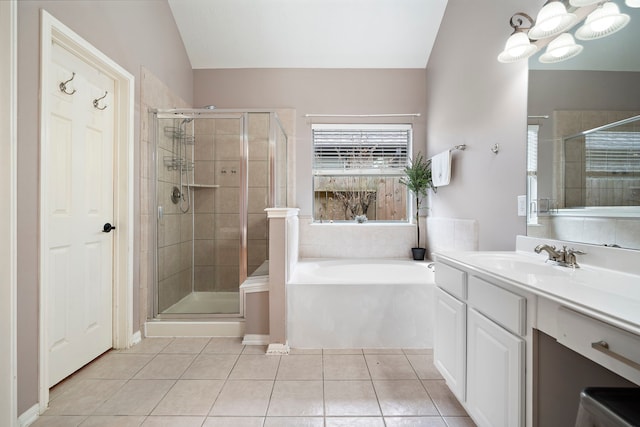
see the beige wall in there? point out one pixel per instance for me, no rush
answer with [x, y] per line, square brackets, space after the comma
[257, 317]
[319, 91]
[133, 34]
[475, 100]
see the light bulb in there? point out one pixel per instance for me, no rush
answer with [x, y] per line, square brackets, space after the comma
[603, 21]
[561, 49]
[517, 47]
[552, 19]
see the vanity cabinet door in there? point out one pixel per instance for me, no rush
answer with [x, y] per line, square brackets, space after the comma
[449, 349]
[495, 373]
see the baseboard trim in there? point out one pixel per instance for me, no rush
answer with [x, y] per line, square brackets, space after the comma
[29, 416]
[136, 338]
[255, 339]
[278, 349]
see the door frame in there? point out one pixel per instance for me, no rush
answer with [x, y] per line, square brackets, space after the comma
[8, 217]
[53, 30]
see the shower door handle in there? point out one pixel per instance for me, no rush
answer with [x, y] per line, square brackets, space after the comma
[108, 227]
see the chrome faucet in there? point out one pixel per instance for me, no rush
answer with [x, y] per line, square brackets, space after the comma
[564, 257]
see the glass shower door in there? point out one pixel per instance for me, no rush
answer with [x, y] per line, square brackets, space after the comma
[218, 221]
[199, 229]
[216, 172]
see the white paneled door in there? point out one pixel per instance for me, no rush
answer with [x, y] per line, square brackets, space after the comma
[78, 166]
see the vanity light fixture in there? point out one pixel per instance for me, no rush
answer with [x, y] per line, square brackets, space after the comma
[552, 20]
[603, 21]
[561, 48]
[518, 45]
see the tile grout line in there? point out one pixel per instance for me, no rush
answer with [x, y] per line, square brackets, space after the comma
[273, 386]
[126, 381]
[421, 380]
[324, 402]
[224, 383]
[175, 381]
[366, 362]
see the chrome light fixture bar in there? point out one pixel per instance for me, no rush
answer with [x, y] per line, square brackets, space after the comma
[518, 45]
[583, 3]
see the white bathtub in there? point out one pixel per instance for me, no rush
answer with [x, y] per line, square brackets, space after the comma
[360, 303]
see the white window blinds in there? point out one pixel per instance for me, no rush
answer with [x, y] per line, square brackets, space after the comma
[613, 152]
[358, 149]
[532, 148]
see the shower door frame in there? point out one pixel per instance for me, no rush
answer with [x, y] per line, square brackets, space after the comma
[205, 113]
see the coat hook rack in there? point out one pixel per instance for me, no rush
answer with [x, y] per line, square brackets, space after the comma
[96, 102]
[63, 85]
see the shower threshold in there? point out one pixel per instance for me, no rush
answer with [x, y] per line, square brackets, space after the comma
[207, 303]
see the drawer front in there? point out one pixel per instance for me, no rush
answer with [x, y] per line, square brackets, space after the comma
[609, 346]
[452, 280]
[500, 305]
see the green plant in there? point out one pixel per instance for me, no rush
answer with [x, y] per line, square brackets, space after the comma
[418, 181]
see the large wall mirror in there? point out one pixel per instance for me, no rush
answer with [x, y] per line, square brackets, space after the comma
[583, 111]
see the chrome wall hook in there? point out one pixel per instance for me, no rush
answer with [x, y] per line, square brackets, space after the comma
[96, 102]
[495, 148]
[63, 85]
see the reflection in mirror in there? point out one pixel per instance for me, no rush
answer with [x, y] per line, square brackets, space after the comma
[602, 166]
[569, 200]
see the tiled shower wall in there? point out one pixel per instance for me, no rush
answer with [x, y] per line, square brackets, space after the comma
[175, 227]
[258, 191]
[216, 220]
[154, 94]
[217, 210]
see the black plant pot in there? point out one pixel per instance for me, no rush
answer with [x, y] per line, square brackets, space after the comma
[418, 253]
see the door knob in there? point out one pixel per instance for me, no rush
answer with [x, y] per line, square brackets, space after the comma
[108, 227]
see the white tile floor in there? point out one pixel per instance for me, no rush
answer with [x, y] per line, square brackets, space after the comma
[218, 382]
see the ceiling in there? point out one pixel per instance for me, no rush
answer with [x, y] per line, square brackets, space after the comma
[308, 33]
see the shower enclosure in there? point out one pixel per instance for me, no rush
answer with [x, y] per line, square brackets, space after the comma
[216, 171]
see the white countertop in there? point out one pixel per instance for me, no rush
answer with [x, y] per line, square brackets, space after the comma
[608, 295]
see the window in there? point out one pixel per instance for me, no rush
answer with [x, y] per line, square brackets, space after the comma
[609, 153]
[357, 171]
[532, 173]
[611, 168]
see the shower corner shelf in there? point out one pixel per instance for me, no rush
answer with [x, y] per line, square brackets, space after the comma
[203, 185]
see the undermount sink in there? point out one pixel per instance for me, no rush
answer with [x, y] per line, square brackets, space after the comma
[514, 261]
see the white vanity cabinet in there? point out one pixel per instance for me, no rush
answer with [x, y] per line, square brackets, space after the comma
[479, 346]
[495, 374]
[450, 337]
[531, 327]
[449, 348]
